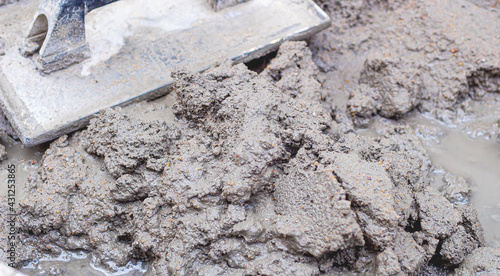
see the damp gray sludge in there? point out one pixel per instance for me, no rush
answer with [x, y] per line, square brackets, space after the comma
[373, 148]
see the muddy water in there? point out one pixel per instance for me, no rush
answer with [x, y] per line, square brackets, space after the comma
[460, 151]
[478, 161]
[77, 264]
[26, 161]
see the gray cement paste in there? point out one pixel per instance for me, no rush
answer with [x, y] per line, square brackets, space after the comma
[370, 151]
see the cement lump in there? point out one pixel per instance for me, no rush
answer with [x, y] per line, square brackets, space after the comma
[456, 189]
[385, 89]
[110, 137]
[437, 215]
[315, 216]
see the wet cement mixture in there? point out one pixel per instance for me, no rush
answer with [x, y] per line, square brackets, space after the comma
[369, 149]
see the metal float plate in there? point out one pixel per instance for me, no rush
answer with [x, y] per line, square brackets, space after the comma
[134, 45]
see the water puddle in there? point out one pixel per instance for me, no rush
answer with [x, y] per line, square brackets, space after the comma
[467, 158]
[22, 161]
[478, 161]
[78, 264]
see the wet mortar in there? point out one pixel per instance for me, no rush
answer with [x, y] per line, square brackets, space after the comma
[234, 206]
[451, 150]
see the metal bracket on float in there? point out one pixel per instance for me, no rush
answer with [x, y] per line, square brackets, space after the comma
[58, 33]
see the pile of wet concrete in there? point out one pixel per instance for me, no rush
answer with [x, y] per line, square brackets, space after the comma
[245, 173]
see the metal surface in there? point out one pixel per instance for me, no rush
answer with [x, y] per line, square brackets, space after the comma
[57, 33]
[132, 61]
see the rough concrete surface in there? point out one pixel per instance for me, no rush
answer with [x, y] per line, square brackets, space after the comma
[271, 173]
[484, 261]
